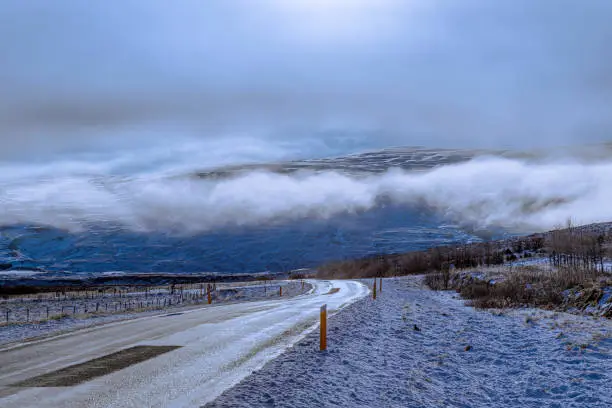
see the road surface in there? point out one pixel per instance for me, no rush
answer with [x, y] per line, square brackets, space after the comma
[205, 351]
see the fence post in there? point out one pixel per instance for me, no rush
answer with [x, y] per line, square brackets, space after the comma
[7, 315]
[27, 315]
[323, 339]
[374, 290]
[280, 291]
[47, 312]
[380, 285]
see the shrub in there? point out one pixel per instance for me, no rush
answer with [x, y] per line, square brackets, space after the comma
[528, 287]
[436, 281]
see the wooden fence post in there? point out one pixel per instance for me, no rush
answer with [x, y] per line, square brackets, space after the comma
[374, 290]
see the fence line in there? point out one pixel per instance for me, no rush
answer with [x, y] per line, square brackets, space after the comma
[45, 307]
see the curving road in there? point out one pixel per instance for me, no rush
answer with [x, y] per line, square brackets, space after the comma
[214, 348]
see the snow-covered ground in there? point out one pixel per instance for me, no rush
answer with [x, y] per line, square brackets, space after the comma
[542, 261]
[31, 316]
[417, 348]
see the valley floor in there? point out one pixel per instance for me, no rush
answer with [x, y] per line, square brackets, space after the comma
[412, 347]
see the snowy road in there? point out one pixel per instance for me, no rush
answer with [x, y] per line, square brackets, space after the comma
[216, 347]
[412, 347]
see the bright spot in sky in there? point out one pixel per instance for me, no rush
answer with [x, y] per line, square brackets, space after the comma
[337, 20]
[328, 5]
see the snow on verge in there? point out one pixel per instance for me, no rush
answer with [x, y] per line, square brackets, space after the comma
[417, 348]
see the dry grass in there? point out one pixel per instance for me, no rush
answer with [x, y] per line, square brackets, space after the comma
[527, 286]
[575, 259]
[583, 247]
[301, 276]
[435, 259]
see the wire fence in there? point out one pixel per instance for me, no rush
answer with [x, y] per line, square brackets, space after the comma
[42, 307]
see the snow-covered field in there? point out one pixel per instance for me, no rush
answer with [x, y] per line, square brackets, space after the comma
[31, 316]
[417, 348]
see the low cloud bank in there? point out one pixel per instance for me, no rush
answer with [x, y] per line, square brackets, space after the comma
[482, 193]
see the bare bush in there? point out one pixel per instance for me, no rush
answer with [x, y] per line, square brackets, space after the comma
[436, 281]
[529, 287]
[584, 247]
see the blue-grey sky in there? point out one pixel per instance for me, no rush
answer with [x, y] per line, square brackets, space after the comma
[78, 75]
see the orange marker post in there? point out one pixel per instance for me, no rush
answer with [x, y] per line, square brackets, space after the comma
[209, 295]
[374, 290]
[323, 327]
[280, 291]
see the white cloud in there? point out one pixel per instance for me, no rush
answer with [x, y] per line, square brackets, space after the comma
[482, 193]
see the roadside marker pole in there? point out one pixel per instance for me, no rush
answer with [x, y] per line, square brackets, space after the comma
[374, 290]
[209, 295]
[380, 285]
[280, 291]
[323, 342]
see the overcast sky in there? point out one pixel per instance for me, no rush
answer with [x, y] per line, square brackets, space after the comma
[78, 75]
